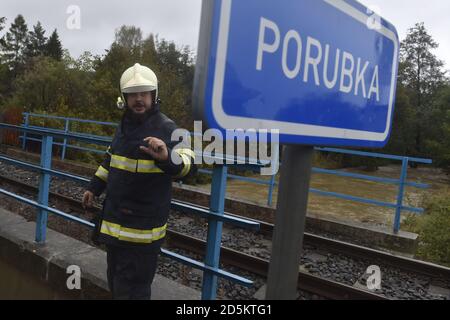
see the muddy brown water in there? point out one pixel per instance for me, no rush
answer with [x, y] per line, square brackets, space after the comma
[15, 284]
[351, 211]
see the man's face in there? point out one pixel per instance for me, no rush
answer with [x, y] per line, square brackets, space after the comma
[139, 102]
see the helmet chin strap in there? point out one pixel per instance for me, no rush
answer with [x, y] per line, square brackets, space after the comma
[122, 101]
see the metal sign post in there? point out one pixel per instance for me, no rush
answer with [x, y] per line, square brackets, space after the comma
[289, 222]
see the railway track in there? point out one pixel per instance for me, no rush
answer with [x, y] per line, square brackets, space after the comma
[307, 282]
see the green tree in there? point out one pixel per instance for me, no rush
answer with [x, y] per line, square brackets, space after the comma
[438, 142]
[402, 139]
[51, 86]
[176, 73]
[37, 41]
[5, 83]
[129, 37]
[2, 22]
[53, 47]
[86, 62]
[422, 73]
[150, 55]
[3, 67]
[108, 71]
[14, 45]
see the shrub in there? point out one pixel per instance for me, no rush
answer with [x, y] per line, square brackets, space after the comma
[434, 229]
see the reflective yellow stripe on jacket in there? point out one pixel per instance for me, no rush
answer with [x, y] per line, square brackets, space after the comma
[132, 235]
[132, 165]
[123, 163]
[186, 156]
[102, 173]
[147, 166]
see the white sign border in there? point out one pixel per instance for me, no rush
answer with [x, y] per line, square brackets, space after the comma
[289, 128]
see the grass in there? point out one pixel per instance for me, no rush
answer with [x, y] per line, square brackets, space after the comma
[433, 228]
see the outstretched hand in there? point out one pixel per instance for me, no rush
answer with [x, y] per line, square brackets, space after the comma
[88, 199]
[156, 148]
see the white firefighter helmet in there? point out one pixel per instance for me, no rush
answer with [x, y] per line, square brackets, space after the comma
[139, 78]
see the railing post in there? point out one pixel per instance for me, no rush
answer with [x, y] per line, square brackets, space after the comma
[271, 185]
[44, 188]
[275, 157]
[217, 203]
[66, 130]
[401, 189]
[24, 137]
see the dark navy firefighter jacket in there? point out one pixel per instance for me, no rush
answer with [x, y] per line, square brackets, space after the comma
[138, 188]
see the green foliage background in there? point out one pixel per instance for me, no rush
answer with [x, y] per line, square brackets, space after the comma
[433, 228]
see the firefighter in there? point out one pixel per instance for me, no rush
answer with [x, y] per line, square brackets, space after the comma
[137, 175]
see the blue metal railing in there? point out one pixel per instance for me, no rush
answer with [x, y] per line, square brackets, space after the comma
[215, 214]
[65, 145]
[401, 182]
[67, 126]
[271, 182]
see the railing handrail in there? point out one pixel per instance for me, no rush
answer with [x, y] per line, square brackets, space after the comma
[104, 140]
[375, 155]
[48, 116]
[59, 134]
[180, 205]
[325, 149]
[64, 132]
[401, 182]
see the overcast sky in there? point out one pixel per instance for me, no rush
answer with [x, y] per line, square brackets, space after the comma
[179, 20]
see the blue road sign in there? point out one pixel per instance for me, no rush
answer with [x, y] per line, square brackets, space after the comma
[323, 72]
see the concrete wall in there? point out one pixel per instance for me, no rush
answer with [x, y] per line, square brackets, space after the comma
[33, 271]
[39, 271]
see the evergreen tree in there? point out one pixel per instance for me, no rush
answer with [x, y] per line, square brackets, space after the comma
[422, 73]
[2, 39]
[402, 139]
[53, 47]
[2, 22]
[14, 45]
[37, 41]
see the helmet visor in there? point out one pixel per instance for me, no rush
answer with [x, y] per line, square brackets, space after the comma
[139, 88]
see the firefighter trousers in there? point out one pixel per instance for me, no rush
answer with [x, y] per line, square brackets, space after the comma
[130, 272]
